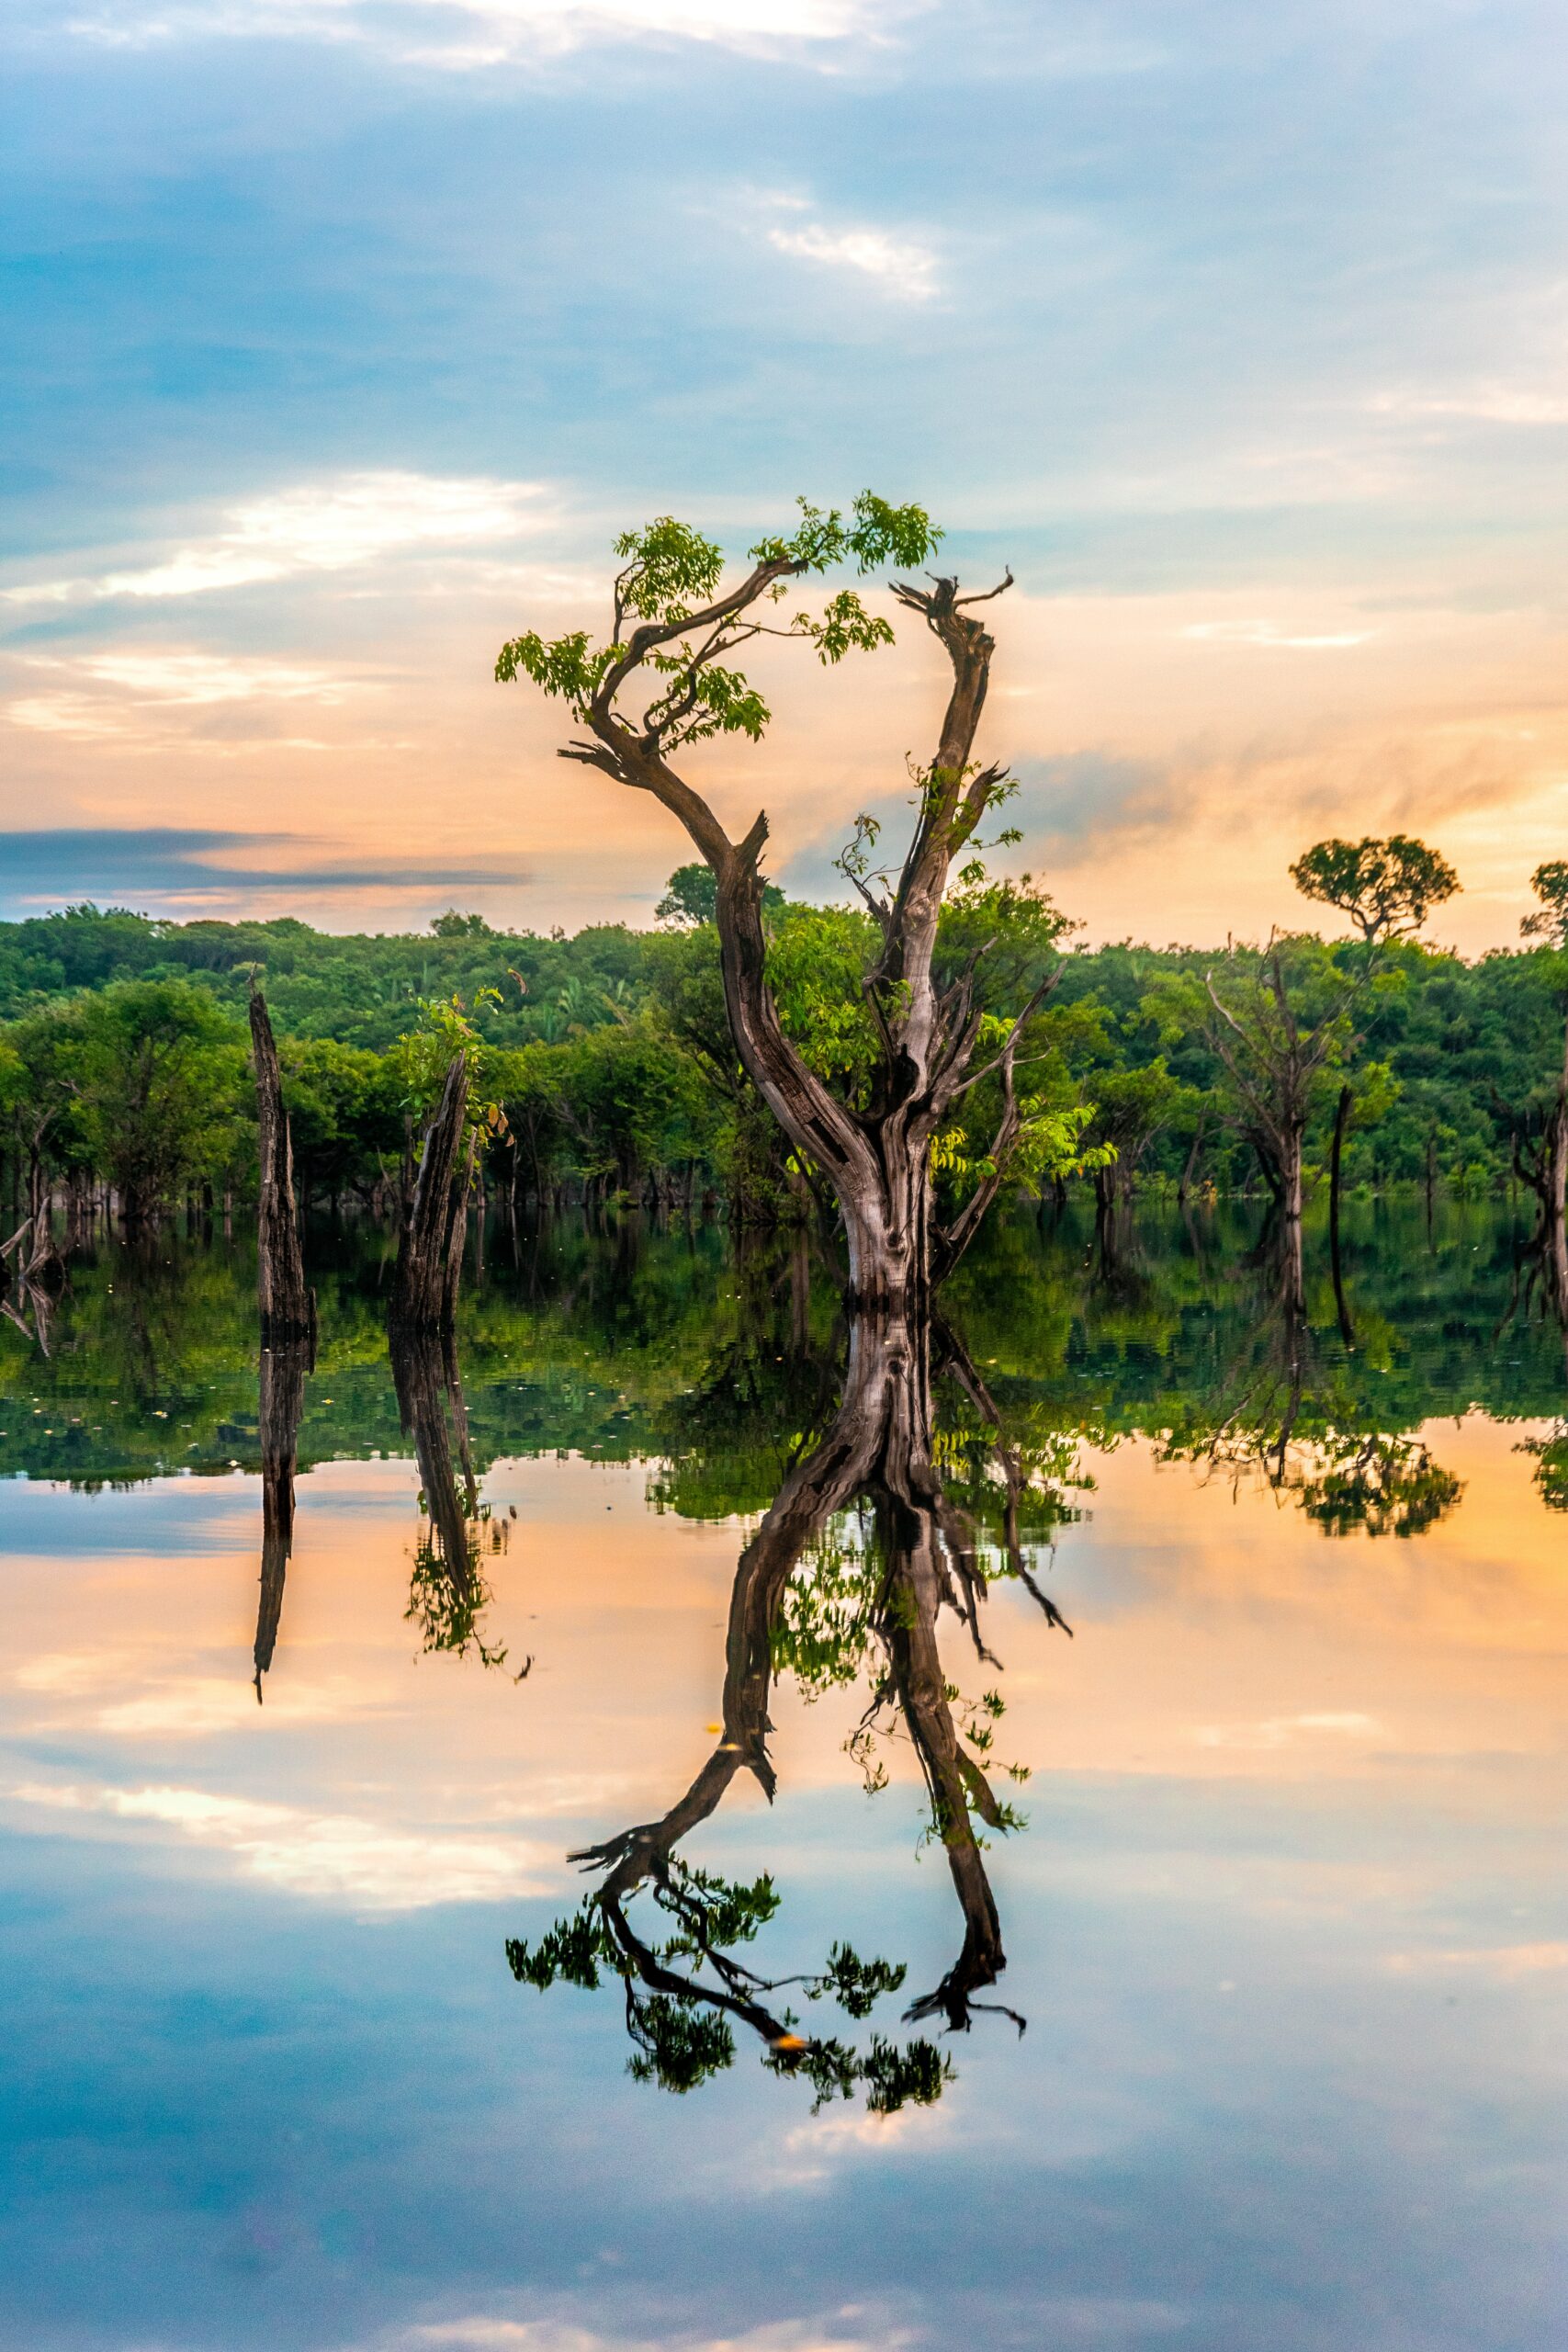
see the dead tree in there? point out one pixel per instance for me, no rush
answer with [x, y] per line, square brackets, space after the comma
[288, 1308]
[430, 1253]
[671, 636]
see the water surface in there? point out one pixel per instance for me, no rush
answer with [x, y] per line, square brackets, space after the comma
[1281, 1899]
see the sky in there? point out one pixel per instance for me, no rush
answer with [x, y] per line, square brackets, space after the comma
[340, 337]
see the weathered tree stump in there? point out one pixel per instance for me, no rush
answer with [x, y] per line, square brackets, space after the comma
[430, 1254]
[288, 1308]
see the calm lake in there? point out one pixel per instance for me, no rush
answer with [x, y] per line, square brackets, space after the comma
[1281, 1897]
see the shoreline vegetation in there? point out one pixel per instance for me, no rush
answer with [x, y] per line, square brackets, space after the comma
[602, 1073]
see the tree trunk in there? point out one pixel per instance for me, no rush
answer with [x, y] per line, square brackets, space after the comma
[887, 1224]
[288, 1308]
[1292, 1277]
[1187, 1174]
[1554, 1236]
[430, 1253]
[1341, 1121]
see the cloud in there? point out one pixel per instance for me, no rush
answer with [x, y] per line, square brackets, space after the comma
[190, 868]
[1074, 798]
[490, 31]
[1506, 1961]
[332, 1858]
[482, 2332]
[316, 527]
[897, 266]
[72, 1684]
[1481, 404]
[168, 679]
[1268, 633]
[1284, 1731]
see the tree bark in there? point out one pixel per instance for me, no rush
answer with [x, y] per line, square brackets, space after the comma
[1341, 1121]
[430, 1253]
[288, 1308]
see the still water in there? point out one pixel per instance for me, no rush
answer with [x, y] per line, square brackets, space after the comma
[1160, 1699]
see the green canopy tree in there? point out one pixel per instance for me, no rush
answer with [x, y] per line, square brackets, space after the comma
[662, 683]
[1387, 887]
[159, 1075]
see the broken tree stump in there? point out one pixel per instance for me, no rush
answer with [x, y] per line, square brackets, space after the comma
[430, 1254]
[288, 1308]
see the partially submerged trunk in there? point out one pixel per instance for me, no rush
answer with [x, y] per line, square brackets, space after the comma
[430, 1253]
[287, 1307]
[873, 1155]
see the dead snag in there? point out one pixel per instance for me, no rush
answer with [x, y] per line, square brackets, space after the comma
[288, 1308]
[430, 1254]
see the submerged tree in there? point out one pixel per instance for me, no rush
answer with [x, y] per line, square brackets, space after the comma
[1280, 1019]
[664, 682]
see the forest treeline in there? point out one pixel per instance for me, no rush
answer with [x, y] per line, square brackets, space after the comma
[605, 1068]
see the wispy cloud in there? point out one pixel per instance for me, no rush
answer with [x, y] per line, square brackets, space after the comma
[314, 527]
[1490, 403]
[898, 265]
[201, 678]
[1286, 1731]
[1270, 634]
[843, 2331]
[489, 32]
[1506, 1961]
[188, 870]
[333, 1858]
[163, 680]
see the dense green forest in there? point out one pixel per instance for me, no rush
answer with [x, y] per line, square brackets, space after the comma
[607, 1069]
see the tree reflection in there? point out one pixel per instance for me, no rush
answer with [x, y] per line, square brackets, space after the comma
[861, 1550]
[1291, 1416]
[447, 1592]
[283, 1370]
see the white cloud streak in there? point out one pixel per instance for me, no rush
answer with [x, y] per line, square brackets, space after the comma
[483, 2332]
[896, 265]
[103, 696]
[1480, 404]
[1286, 1731]
[332, 1858]
[316, 527]
[1270, 634]
[490, 32]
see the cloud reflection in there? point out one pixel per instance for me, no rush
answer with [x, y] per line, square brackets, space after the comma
[333, 1858]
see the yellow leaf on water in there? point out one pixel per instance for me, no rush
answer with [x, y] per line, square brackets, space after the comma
[713, 1726]
[789, 2041]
